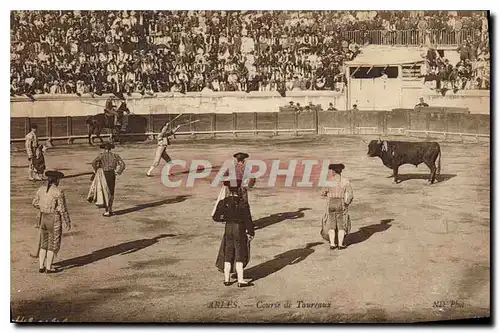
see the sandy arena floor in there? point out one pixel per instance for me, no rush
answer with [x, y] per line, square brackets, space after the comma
[417, 252]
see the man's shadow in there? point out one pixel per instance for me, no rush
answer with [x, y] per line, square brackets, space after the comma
[277, 218]
[177, 199]
[199, 169]
[366, 232]
[123, 248]
[78, 175]
[280, 261]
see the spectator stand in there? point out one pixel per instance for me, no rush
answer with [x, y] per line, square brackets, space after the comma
[147, 52]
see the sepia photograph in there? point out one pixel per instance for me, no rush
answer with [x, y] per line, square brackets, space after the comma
[250, 166]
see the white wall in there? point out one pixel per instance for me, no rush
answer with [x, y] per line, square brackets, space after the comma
[478, 101]
[54, 106]
[66, 105]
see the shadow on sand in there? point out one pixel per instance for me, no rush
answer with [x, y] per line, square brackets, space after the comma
[123, 248]
[139, 207]
[199, 169]
[366, 232]
[78, 175]
[279, 217]
[279, 262]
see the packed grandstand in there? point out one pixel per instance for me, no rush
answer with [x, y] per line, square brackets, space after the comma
[124, 52]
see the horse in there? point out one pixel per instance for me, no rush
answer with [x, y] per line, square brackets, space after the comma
[98, 122]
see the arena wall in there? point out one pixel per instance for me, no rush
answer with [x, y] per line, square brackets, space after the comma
[229, 102]
[63, 117]
[478, 101]
[398, 122]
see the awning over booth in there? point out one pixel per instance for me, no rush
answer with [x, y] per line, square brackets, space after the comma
[376, 55]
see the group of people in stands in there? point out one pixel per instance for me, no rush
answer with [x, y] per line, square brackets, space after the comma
[124, 52]
[472, 71]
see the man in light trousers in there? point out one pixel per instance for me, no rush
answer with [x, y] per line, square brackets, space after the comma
[161, 150]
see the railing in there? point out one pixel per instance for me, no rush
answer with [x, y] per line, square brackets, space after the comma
[411, 37]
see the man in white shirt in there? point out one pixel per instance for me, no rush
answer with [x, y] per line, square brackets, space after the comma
[31, 144]
[161, 150]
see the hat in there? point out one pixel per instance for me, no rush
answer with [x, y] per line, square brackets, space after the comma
[241, 156]
[54, 174]
[107, 145]
[336, 167]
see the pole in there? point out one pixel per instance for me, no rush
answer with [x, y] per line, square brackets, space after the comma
[180, 114]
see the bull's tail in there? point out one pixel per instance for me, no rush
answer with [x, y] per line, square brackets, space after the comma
[438, 171]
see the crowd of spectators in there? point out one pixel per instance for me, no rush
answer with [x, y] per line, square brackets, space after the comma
[121, 52]
[415, 27]
[472, 71]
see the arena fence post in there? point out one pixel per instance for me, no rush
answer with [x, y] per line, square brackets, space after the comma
[276, 123]
[48, 129]
[384, 122]
[214, 124]
[316, 121]
[351, 122]
[235, 124]
[295, 122]
[408, 118]
[461, 122]
[27, 125]
[151, 123]
[69, 129]
[192, 126]
[478, 123]
[255, 127]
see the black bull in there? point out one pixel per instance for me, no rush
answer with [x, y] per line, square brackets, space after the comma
[396, 153]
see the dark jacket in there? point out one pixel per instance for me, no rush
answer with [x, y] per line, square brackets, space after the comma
[234, 209]
[235, 245]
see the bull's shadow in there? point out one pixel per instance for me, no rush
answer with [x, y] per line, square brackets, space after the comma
[280, 261]
[424, 176]
[123, 248]
[277, 218]
[366, 232]
[177, 199]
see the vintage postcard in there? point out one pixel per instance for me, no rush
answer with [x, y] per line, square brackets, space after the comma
[250, 166]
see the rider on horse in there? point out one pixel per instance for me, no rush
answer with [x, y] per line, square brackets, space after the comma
[110, 111]
[117, 114]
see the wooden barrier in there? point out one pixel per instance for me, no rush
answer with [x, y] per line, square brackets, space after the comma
[399, 122]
